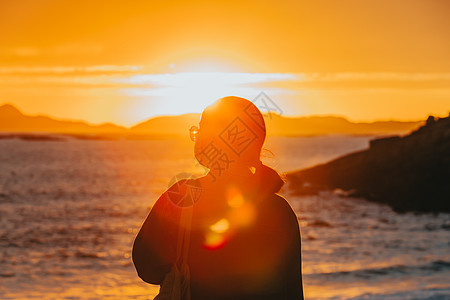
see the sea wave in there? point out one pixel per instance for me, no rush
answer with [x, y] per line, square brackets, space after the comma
[368, 273]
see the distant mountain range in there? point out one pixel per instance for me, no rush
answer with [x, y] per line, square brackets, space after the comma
[13, 120]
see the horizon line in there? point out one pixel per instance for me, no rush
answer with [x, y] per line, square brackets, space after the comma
[197, 113]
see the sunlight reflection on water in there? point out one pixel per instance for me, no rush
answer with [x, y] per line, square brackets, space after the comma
[69, 212]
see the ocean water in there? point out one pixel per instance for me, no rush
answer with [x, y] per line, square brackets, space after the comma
[69, 211]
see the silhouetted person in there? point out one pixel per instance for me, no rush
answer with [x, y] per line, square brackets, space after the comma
[244, 238]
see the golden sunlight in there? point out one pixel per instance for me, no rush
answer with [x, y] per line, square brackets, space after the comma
[107, 185]
[193, 91]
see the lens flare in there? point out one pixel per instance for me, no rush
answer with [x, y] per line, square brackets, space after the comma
[234, 198]
[221, 226]
[243, 215]
[214, 240]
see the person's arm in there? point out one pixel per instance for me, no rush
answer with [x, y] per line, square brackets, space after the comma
[294, 274]
[293, 266]
[153, 249]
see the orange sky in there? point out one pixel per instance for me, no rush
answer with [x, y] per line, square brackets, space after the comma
[126, 61]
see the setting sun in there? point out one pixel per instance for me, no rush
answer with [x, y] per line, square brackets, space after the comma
[193, 91]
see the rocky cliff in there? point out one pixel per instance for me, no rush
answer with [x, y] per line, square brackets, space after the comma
[410, 173]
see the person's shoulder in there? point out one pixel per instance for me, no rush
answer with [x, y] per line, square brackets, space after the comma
[283, 206]
[184, 192]
[279, 200]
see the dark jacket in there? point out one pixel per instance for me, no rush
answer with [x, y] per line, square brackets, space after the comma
[245, 243]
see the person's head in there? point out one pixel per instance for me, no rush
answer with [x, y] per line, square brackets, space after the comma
[230, 138]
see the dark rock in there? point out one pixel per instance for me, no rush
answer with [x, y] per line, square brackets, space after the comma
[410, 173]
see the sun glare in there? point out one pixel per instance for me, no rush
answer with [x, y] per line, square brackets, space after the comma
[192, 91]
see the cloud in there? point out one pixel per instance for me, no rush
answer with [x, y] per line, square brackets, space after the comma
[216, 78]
[129, 77]
[375, 80]
[67, 69]
[374, 76]
[57, 50]
[66, 76]
[221, 78]
[23, 52]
